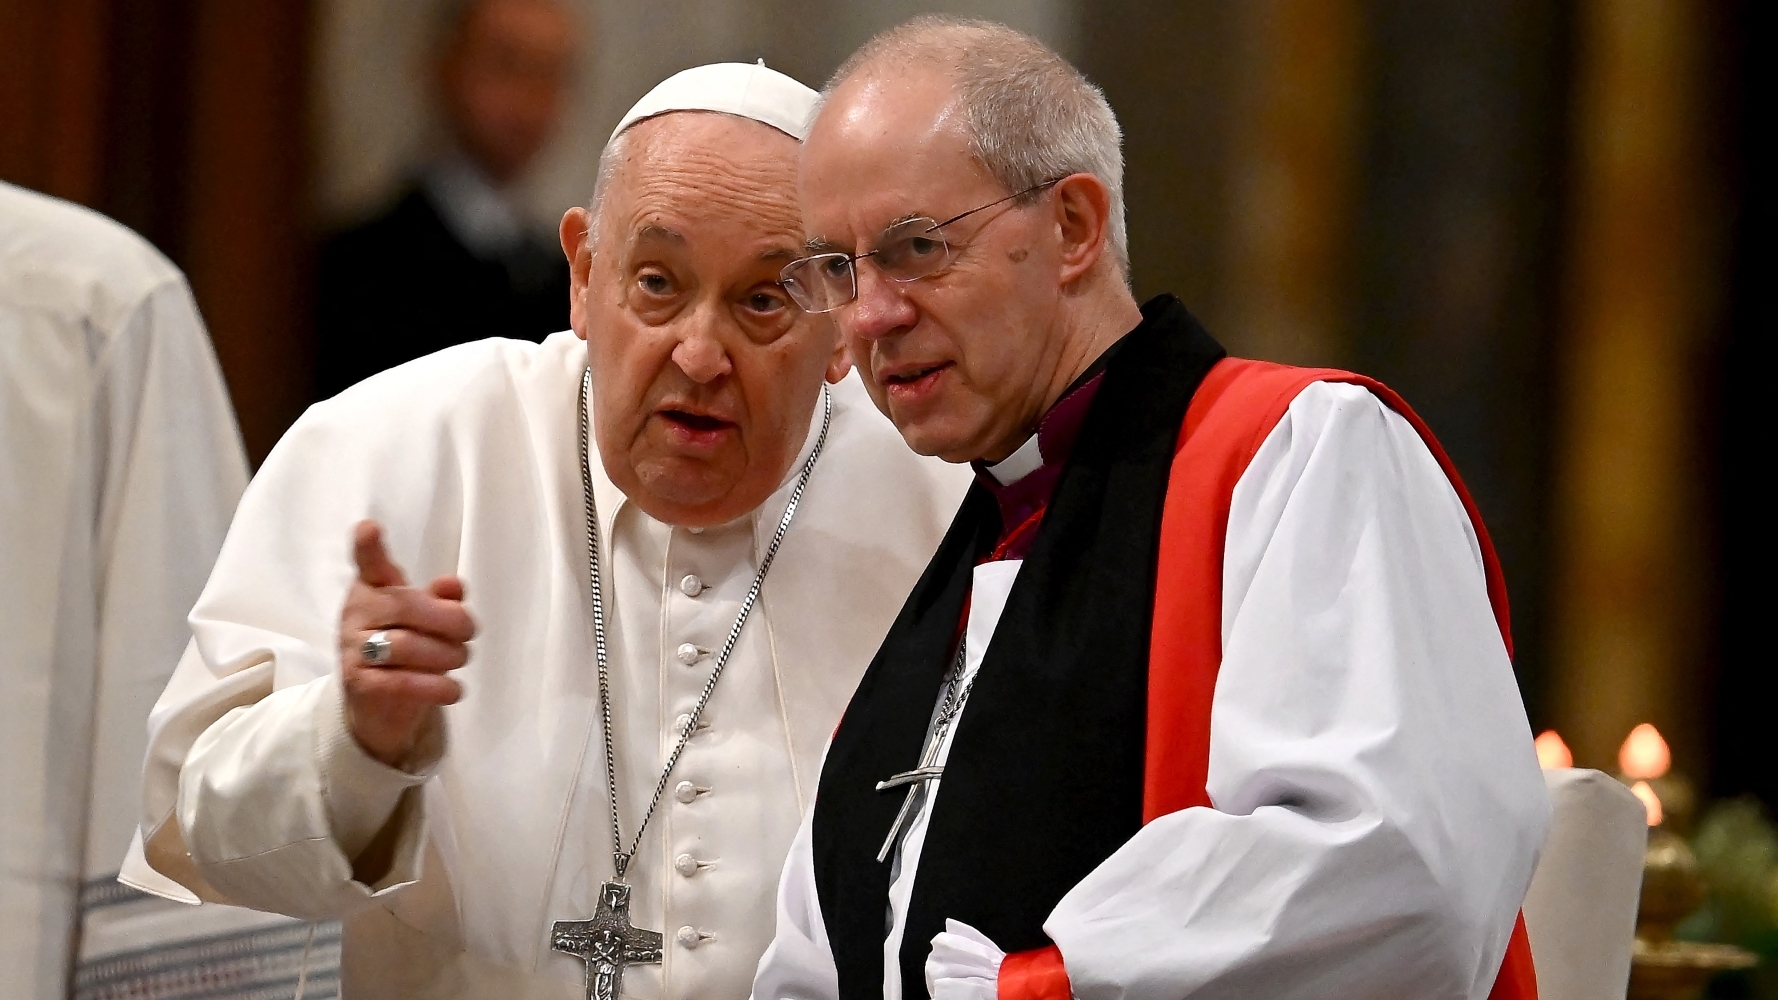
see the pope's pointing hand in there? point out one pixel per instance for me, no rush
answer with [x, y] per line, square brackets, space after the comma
[428, 632]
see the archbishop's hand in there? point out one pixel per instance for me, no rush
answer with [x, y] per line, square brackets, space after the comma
[428, 630]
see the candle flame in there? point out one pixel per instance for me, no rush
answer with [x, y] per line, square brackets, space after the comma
[1552, 753]
[1644, 754]
[1650, 801]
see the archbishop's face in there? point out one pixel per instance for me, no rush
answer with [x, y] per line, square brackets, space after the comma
[959, 359]
[704, 372]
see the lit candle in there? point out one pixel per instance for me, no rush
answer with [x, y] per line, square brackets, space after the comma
[1650, 801]
[1552, 753]
[1645, 763]
[1644, 754]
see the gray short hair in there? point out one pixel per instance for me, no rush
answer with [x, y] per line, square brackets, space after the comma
[609, 158]
[1031, 115]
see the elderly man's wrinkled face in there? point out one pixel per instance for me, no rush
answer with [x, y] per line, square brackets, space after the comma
[959, 360]
[705, 374]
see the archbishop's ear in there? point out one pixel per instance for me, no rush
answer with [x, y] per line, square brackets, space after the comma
[576, 223]
[1083, 218]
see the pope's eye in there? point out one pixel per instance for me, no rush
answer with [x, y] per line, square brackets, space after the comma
[654, 283]
[765, 302]
[923, 246]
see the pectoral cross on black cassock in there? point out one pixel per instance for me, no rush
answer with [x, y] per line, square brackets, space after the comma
[949, 708]
[915, 780]
[607, 942]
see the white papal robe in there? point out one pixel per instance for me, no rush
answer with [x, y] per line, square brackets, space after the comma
[255, 793]
[1356, 675]
[120, 465]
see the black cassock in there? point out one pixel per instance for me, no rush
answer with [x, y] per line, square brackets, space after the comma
[1044, 780]
[402, 286]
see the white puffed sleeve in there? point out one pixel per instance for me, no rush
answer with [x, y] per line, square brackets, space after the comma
[254, 792]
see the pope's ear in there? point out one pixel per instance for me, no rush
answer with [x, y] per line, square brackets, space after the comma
[1083, 219]
[576, 223]
[841, 361]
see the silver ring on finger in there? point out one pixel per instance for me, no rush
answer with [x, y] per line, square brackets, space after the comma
[377, 648]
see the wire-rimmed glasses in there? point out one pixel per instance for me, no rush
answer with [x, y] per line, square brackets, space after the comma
[907, 251]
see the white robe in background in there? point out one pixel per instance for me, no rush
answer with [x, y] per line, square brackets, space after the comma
[120, 466]
[1378, 806]
[255, 793]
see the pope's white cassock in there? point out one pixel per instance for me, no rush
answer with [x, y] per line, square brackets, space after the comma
[1371, 810]
[120, 465]
[255, 792]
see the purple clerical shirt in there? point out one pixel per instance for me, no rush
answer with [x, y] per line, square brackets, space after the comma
[1023, 500]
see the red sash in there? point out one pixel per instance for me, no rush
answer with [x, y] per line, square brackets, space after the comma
[1232, 413]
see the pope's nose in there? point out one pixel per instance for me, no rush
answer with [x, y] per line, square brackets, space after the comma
[701, 356]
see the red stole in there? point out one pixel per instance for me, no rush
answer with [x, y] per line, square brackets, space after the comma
[1234, 410]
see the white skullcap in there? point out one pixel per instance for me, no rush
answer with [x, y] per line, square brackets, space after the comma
[748, 90]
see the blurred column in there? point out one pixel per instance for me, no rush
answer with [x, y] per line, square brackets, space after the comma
[184, 120]
[1454, 250]
[52, 95]
[1167, 70]
[247, 235]
[1639, 305]
[1292, 163]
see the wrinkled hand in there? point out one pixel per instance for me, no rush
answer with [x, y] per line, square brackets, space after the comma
[429, 631]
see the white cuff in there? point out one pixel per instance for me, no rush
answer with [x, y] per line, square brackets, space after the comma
[964, 964]
[361, 792]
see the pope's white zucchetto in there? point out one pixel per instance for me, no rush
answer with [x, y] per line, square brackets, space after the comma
[747, 90]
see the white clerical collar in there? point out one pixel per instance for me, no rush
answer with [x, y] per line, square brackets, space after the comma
[1016, 466]
[477, 213]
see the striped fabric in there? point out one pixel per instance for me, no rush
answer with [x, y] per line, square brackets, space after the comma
[139, 947]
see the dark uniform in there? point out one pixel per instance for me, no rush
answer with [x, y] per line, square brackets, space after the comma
[403, 285]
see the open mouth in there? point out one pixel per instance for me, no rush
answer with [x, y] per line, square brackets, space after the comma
[699, 422]
[911, 377]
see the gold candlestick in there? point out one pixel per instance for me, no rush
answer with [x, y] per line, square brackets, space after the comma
[1672, 887]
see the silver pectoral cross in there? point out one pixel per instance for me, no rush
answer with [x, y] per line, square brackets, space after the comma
[950, 706]
[915, 780]
[607, 943]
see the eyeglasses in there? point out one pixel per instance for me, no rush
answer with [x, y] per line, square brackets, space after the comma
[907, 251]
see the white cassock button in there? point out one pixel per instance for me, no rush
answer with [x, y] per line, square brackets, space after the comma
[686, 865]
[691, 586]
[685, 792]
[689, 654]
[690, 937]
[683, 723]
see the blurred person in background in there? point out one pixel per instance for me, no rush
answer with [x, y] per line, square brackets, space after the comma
[454, 259]
[120, 465]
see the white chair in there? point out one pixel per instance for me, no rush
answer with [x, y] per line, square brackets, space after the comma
[1580, 912]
